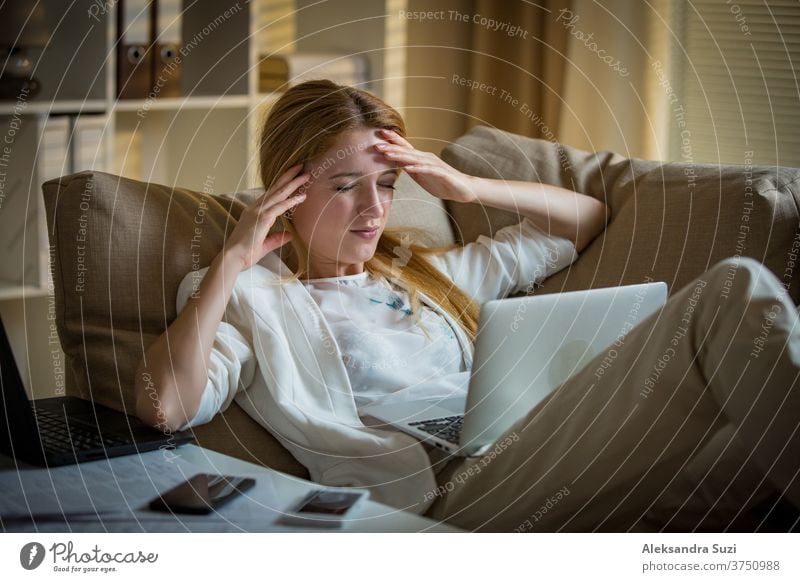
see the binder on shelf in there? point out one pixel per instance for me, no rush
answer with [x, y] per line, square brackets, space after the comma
[41, 152]
[134, 53]
[278, 72]
[53, 161]
[167, 66]
[69, 144]
[88, 152]
[54, 151]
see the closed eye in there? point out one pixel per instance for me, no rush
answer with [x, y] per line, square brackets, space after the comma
[347, 187]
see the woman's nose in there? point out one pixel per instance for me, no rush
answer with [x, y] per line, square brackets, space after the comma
[371, 202]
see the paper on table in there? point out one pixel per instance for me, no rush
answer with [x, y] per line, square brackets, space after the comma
[149, 521]
[96, 486]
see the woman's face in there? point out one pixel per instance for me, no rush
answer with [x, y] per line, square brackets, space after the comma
[349, 196]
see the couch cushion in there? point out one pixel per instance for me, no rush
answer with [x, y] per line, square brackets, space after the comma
[121, 248]
[670, 221]
[414, 206]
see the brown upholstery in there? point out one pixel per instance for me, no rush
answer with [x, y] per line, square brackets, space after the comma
[670, 221]
[121, 247]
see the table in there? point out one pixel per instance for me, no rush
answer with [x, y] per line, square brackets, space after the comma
[138, 478]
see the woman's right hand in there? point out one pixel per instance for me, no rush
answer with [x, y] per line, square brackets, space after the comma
[249, 241]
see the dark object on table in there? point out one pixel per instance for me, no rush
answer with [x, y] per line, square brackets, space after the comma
[201, 493]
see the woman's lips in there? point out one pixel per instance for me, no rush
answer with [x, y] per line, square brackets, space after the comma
[366, 233]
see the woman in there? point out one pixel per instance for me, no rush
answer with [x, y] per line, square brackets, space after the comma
[352, 314]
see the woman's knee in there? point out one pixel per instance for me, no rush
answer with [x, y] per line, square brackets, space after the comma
[741, 275]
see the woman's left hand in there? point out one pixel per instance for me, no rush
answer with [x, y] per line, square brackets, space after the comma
[427, 169]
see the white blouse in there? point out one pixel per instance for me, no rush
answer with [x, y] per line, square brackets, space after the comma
[387, 354]
[397, 362]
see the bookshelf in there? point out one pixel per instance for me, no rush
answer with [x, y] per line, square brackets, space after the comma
[207, 136]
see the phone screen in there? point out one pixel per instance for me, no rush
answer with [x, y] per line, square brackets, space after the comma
[329, 502]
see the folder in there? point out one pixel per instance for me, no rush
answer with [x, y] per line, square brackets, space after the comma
[167, 62]
[54, 159]
[88, 151]
[134, 53]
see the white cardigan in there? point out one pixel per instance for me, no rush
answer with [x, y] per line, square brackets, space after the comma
[275, 347]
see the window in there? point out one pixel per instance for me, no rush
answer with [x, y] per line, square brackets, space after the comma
[739, 94]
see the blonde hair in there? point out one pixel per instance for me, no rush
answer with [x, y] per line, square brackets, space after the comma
[304, 123]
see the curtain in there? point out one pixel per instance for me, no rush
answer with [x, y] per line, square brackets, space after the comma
[614, 93]
[518, 52]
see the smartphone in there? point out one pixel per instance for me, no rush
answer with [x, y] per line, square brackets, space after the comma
[326, 508]
[201, 493]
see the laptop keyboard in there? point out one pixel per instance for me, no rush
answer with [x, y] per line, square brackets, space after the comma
[447, 428]
[57, 436]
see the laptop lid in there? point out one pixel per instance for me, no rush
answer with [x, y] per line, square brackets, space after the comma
[18, 433]
[527, 346]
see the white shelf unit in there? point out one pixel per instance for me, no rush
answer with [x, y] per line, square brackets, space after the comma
[54, 107]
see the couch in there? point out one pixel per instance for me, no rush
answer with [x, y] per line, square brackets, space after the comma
[121, 247]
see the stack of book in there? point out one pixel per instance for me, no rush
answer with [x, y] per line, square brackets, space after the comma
[279, 72]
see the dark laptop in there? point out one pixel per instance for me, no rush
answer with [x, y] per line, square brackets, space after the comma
[67, 430]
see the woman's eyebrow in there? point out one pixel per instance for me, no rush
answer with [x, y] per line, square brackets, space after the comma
[346, 175]
[394, 171]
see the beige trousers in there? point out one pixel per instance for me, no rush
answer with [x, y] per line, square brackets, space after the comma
[686, 423]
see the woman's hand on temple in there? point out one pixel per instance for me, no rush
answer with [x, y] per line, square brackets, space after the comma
[427, 169]
[249, 241]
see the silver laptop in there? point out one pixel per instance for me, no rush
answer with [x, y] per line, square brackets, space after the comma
[525, 348]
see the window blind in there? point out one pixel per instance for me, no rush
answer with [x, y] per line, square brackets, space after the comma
[736, 64]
